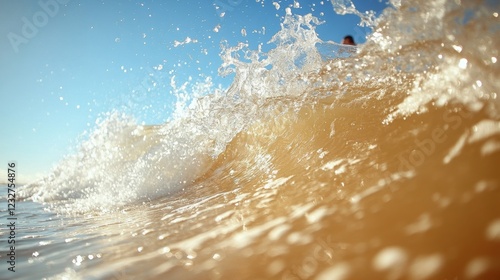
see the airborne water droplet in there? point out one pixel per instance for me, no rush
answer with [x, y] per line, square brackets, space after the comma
[463, 63]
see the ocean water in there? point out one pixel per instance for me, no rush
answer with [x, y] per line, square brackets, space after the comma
[320, 162]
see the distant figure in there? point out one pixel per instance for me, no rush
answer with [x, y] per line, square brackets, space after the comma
[348, 40]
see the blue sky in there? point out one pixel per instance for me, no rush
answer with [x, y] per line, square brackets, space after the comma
[65, 62]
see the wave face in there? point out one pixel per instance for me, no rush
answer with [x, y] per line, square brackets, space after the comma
[375, 162]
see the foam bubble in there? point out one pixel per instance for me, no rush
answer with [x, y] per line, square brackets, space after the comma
[275, 267]
[476, 267]
[391, 259]
[337, 272]
[493, 230]
[422, 224]
[424, 267]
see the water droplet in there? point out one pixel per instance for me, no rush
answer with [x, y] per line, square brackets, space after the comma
[476, 267]
[457, 48]
[493, 230]
[391, 259]
[275, 267]
[463, 63]
[337, 272]
[424, 267]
